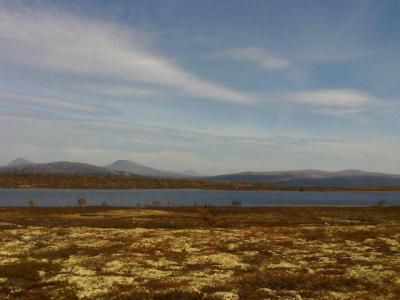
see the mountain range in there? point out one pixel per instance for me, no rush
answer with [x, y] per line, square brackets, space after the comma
[119, 167]
[134, 168]
[60, 167]
[19, 161]
[129, 168]
[313, 178]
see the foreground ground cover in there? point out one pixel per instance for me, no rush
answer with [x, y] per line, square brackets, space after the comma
[200, 253]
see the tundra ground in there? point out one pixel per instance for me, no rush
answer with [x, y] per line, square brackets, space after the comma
[200, 253]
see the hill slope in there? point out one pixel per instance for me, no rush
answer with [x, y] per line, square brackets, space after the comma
[313, 178]
[61, 167]
[131, 167]
[19, 161]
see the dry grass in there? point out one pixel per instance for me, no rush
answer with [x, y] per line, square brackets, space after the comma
[200, 253]
[76, 181]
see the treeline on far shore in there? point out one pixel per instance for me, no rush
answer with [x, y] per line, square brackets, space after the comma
[76, 181]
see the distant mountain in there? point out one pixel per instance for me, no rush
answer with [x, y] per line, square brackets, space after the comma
[119, 167]
[313, 178]
[61, 167]
[131, 167]
[189, 173]
[352, 178]
[19, 161]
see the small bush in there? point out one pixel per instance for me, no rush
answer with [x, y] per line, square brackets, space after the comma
[236, 204]
[205, 214]
[31, 203]
[82, 202]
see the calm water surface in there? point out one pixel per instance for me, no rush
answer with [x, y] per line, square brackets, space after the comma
[69, 197]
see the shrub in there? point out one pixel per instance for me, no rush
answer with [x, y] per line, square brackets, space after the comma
[31, 203]
[236, 203]
[82, 202]
[205, 215]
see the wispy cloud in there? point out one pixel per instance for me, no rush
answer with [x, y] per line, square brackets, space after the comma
[333, 97]
[120, 90]
[174, 149]
[51, 102]
[341, 103]
[130, 135]
[127, 143]
[112, 154]
[265, 60]
[60, 42]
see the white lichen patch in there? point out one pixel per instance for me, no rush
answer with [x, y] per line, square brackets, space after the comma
[42, 273]
[8, 260]
[92, 286]
[80, 271]
[338, 295]
[207, 277]
[161, 263]
[291, 294]
[327, 260]
[180, 244]
[393, 244]
[250, 253]
[282, 265]
[266, 291]
[223, 260]
[226, 295]
[369, 242]
[364, 256]
[15, 247]
[152, 273]
[369, 275]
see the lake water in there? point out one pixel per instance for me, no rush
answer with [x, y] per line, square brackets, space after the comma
[69, 197]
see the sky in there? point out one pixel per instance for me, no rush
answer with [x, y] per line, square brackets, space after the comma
[212, 86]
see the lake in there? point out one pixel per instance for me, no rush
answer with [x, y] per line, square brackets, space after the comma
[69, 197]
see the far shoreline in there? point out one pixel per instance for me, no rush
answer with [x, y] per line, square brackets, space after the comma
[112, 182]
[314, 189]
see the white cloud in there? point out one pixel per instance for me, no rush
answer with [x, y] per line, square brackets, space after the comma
[51, 102]
[333, 97]
[341, 103]
[131, 155]
[66, 43]
[120, 90]
[264, 59]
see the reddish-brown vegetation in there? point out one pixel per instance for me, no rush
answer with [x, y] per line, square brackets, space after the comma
[72, 181]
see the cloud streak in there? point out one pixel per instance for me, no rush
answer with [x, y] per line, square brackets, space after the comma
[173, 149]
[51, 102]
[264, 59]
[60, 42]
[333, 98]
[341, 103]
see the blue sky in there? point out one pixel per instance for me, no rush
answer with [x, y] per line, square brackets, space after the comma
[214, 86]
